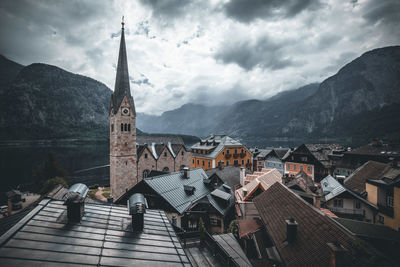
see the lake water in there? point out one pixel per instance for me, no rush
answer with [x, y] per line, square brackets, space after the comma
[19, 158]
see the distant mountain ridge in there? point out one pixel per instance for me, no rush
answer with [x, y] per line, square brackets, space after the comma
[360, 101]
[41, 101]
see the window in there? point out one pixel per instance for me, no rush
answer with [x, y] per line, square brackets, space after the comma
[166, 169]
[295, 167]
[146, 173]
[389, 201]
[129, 127]
[203, 162]
[209, 164]
[308, 169]
[248, 161]
[126, 163]
[303, 158]
[198, 162]
[381, 219]
[338, 203]
[227, 163]
[112, 127]
[242, 161]
[301, 167]
[174, 220]
[122, 127]
[358, 205]
[242, 150]
[235, 151]
[182, 153]
[259, 163]
[235, 162]
[215, 222]
[125, 127]
[193, 161]
[223, 153]
[227, 151]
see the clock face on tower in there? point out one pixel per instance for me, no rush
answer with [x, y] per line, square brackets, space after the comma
[125, 111]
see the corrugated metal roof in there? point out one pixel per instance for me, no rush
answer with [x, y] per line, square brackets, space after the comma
[331, 187]
[103, 238]
[170, 187]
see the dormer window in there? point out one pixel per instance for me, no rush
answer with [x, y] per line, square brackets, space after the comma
[165, 154]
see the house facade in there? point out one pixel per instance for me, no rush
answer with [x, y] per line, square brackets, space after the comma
[313, 159]
[218, 150]
[346, 204]
[385, 193]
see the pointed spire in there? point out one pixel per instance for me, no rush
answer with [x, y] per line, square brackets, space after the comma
[122, 87]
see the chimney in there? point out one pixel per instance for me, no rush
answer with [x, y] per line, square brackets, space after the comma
[337, 254]
[317, 201]
[75, 202]
[242, 175]
[291, 230]
[186, 174]
[244, 191]
[220, 165]
[137, 205]
[9, 207]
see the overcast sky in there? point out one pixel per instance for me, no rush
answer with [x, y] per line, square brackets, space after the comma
[208, 52]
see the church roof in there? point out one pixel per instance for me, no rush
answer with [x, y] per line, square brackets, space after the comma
[122, 87]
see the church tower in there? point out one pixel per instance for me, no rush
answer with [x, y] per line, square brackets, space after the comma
[123, 173]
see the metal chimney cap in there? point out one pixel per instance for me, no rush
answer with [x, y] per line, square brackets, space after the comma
[76, 194]
[137, 203]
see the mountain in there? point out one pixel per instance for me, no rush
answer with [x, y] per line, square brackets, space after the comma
[8, 71]
[44, 101]
[366, 87]
[361, 101]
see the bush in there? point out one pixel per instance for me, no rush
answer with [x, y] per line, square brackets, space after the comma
[95, 186]
[49, 184]
[233, 228]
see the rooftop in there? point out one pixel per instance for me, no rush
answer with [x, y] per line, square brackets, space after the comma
[217, 141]
[229, 174]
[315, 229]
[103, 238]
[371, 170]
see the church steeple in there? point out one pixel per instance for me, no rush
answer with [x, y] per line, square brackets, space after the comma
[122, 87]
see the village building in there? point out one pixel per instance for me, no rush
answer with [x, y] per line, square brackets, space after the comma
[269, 158]
[186, 196]
[220, 149]
[253, 185]
[230, 175]
[313, 159]
[299, 234]
[346, 204]
[372, 170]
[385, 193]
[348, 160]
[163, 157]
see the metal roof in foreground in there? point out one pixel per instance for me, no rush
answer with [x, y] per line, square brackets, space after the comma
[103, 238]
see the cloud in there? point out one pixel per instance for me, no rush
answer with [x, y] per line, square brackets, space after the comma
[143, 80]
[170, 8]
[263, 53]
[387, 11]
[249, 10]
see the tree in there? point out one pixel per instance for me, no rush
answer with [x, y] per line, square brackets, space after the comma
[47, 170]
[233, 228]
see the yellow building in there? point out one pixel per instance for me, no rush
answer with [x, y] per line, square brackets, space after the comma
[220, 149]
[385, 193]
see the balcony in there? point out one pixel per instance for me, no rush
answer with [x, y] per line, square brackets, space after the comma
[243, 154]
[228, 156]
[346, 211]
[235, 156]
[389, 211]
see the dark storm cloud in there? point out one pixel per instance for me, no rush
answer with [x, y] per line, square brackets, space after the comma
[263, 53]
[207, 95]
[249, 10]
[387, 11]
[169, 8]
[328, 40]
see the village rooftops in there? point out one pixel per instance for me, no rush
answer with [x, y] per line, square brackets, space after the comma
[315, 229]
[102, 238]
[371, 170]
[229, 174]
